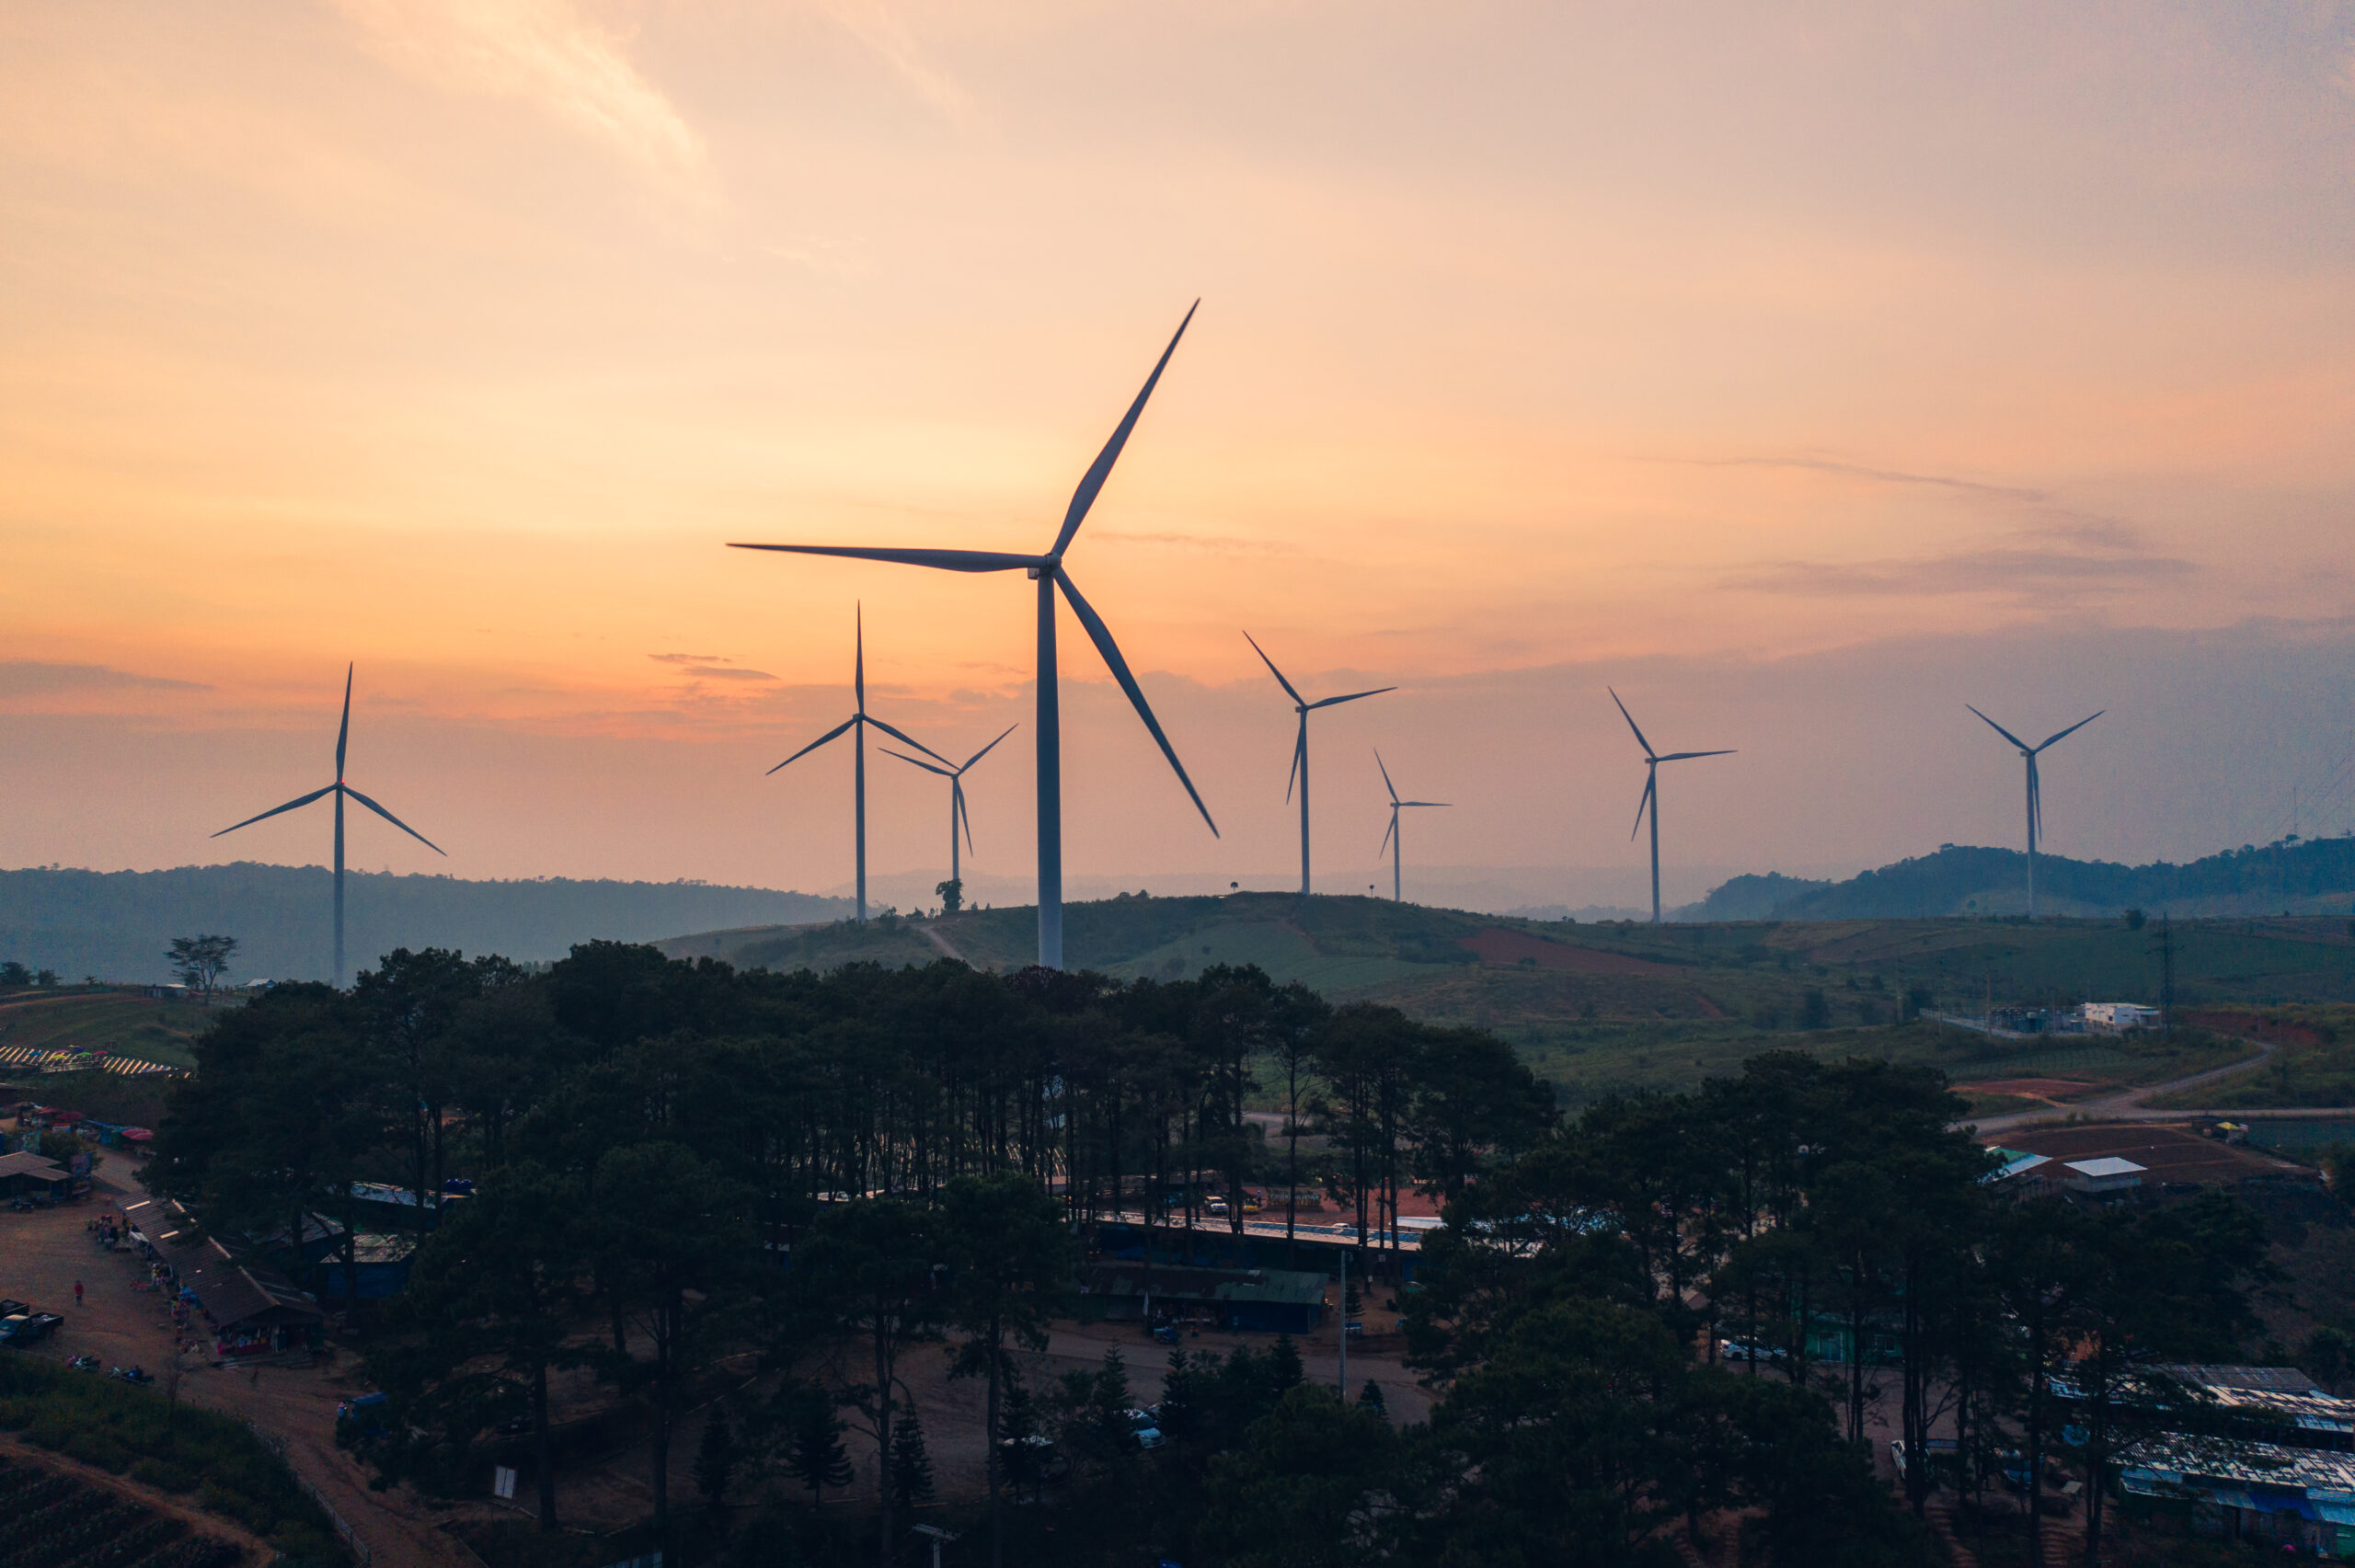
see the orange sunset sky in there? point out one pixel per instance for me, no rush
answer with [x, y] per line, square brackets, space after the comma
[1803, 372]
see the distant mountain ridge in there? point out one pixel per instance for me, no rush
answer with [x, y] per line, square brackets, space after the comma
[2305, 876]
[117, 925]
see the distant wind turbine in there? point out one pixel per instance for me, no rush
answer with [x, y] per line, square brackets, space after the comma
[1048, 571]
[1304, 707]
[1391, 840]
[858, 721]
[1652, 761]
[340, 789]
[2035, 788]
[955, 774]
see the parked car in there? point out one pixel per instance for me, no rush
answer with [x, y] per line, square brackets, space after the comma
[1216, 1209]
[27, 1328]
[13, 1309]
[1144, 1430]
[1742, 1350]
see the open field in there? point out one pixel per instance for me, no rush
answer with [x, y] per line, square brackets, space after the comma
[1622, 1005]
[2313, 1064]
[119, 1021]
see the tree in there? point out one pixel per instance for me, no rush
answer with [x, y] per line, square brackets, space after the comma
[1009, 1256]
[951, 894]
[867, 1270]
[813, 1439]
[15, 974]
[1307, 1489]
[716, 1458]
[911, 1463]
[198, 961]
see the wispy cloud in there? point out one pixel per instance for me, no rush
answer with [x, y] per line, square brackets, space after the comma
[35, 678]
[701, 664]
[2029, 567]
[1880, 475]
[1214, 544]
[875, 24]
[546, 53]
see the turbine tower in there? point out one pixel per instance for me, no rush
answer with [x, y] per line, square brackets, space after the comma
[1304, 707]
[340, 789]
[1391, 841]
[1652, 760]
[860, 719]
[1047, 571]
[2035, 788]
[957, 813]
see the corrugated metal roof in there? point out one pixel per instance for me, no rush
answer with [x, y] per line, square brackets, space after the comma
[2210, 1464]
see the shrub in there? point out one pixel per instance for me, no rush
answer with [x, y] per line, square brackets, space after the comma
[162, 1476]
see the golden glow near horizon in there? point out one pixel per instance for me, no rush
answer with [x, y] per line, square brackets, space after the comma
[456, 336]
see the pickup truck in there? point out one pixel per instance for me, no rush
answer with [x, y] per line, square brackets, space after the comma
[27, 1328]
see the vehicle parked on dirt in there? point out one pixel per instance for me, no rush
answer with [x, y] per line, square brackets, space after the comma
[27, 1328]
[1742, 1350]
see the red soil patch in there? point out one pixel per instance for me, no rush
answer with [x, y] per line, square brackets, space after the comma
[2224, 1020]
[1498, 945]
[2033, 1088]
[2167, 1152]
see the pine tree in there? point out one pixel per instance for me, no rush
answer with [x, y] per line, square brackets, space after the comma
[911, 1465]
[1284, 1370]
[716, 1458]
[1370, 1398]
[814, 1454]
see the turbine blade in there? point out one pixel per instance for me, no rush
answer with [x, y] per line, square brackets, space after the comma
[1650, 782]
[2074, 727]
[815, 744]
[963, 815]
[1279, 674]
[395, 821]
[1385, 834]
[858, 666]
[2034, 796]
[1299, 750]
[902, 738]
[1631, 722]
[1101, 635]
[1101, 469]
[1386, 775]
[927, 767]
[274, 810]
[1353, 697]
[2004, 733]
[987, 749]
[1427, 803]
[946, 560]
[343, 733]
[1685, 756]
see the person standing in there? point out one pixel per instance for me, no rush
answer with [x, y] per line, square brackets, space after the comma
[77, 1292]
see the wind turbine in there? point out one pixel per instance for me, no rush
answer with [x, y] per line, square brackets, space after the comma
[860, 719]
[1652, 761]
[1391, 841]
[956, 812]
[2035, 788]
[340, 789]
[1304, 707]
[1047, 571]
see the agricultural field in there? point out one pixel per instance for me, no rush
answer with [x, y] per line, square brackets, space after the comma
[119, 1021]
[1623, 1005]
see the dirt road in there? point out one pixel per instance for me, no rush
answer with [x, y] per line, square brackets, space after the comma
[2133, 1104]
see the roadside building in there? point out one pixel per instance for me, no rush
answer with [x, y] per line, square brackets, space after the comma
[26, 1174]
[2117, 1017]
[249, 1311]
[1275, 1300]
[2106, 1178]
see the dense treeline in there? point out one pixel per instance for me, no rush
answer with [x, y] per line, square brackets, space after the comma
[936, 1150]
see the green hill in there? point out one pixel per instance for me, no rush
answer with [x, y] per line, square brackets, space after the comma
[1617, 1005]
[2303, 876]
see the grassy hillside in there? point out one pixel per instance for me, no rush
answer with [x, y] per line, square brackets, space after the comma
[1624, 1004]
[119, 1023]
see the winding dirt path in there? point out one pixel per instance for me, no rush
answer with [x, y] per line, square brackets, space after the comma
[2133, 1104]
